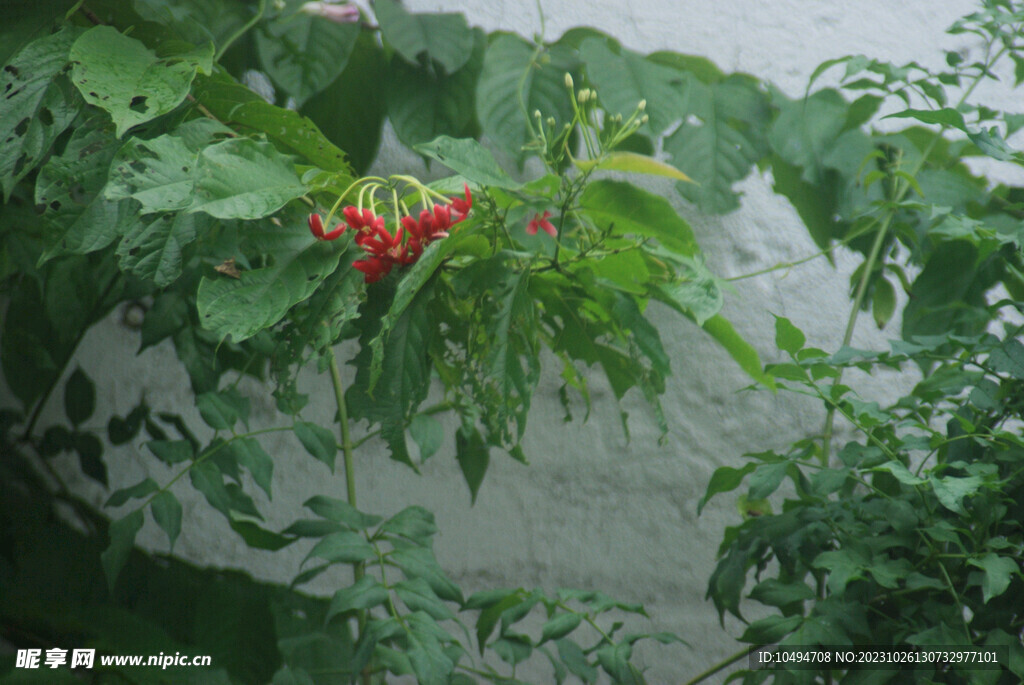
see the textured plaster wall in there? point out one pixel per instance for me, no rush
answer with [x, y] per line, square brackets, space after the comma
[592, 510]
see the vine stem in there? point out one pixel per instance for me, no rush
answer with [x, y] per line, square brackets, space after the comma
[729, 661]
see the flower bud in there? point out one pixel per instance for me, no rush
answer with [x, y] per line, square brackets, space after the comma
[568, 80]
[642, 106]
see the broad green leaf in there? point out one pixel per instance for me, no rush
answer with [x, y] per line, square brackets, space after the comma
[766, 479]
[356, 130]
[38, 104]
[559, 626]
[513, 649]
[220, 410]
[344, 547]
[773, 592]
[79, 397]
[167, 513]
[900, 473]
[171, 451]
[159, 173]
[623, 78]
[243, 179]
[122, 538]
[419, 562]
[339, 511]
[614, 659]
[1008, 358]
[999, 571]
[843, 565]
[635, 163]
[255, 536]
[788, 337]
[318, 441]
[469, 159]
[423, 104]
[443, 37]
[70, 187]
[124, 77]
[428, 434]
[951, 490]
[628, 210]
[576, 660]
[304, 53]
[518, 79]
[415, 523]
[365, 593]
[418, 596]
[695, 292]
[770, 630]
[806, 129]
[208, 479]
[90, 457]
[720, 143]
[152, 247]
[312, 528]
[137, 491]
[242, 307]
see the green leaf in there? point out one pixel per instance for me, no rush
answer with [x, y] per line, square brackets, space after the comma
[221, 410]
[208, 479]
[771, 629]
[171, 451]
[724, 479]
[694, 292]
[256, 536]
[469, 159]
[90, 453]
[623, 78]
[167, 513]
[419, 562]
[242, 307]
[721, 145]
[318, 441]
[122, 537]
[415, 523]
[428, 434]
[788, 337]
[423, 104]
[339, 511]
[153, 249]
[345, 547]
[628, 210]
[418, 596]
[365, 593]
[614, 659]
[806, 130]
[79, 397]
[1008, 358]
[517, 80]
[79, 218]
[739, 349]
[124, 77]
[946, 117]
[312, 528]
[443, 37]
[900, 472]
[773, 592]
[576, 661]
[998, 574]
[766, 479]
[429, 661]
[38, 104]
[635, 163]
[473, 457]
[250, 454]
[559, 626]
[137, 491]
[951, 490]
[303, 53]
[883, 302]
[243, 179]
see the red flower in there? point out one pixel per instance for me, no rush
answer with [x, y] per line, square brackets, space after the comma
[542, 223]
[316, 227]
[375, 268]
[462, 207]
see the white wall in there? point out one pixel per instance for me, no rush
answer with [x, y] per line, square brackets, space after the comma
[592, 510]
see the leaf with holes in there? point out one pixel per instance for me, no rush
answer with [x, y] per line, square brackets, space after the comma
[152, 247]
[124, 77]
[38, 103]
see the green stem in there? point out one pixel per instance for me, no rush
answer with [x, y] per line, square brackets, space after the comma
[743, 653]
[238, 34]
[346, 440]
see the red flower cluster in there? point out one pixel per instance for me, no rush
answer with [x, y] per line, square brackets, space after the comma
[405, 247]
[542, 223]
